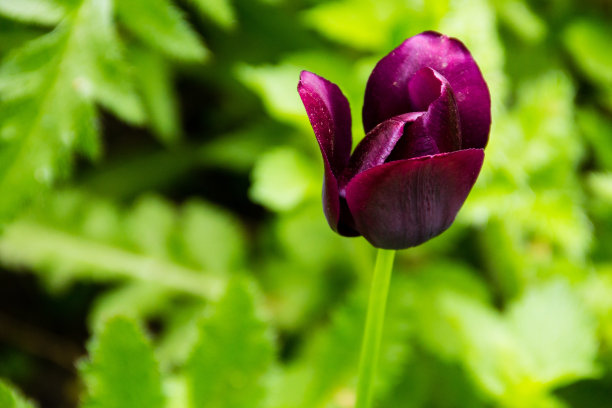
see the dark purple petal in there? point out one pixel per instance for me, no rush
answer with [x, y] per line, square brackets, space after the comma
[388, 92]
[334, 207]
[378, 144]
[331, 198]
[438, 130]
[407, 202]
[330, 117]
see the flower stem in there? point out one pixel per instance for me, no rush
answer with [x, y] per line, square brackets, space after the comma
[374, 327]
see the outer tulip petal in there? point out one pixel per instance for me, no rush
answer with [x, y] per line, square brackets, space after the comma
[404, 203]
[331, 198]
[438, 130]
[330, 117]
[387, 92]
[376, 147]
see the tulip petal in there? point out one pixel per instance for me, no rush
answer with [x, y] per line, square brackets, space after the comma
[330, 117]
[378, 144]
[404, 203]
[331, 198]
[387, 92]
[438, 130]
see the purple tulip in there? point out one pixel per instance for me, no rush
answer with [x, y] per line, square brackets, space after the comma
[427, 114]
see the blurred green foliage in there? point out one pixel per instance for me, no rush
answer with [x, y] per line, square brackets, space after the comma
[158, 151]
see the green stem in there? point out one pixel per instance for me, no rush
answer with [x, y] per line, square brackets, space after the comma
[372, 334]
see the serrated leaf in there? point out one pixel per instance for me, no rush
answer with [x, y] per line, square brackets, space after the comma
[122, 371]
[34, 11]
[48, 89]
[160, 25]
[229, 363]
[11, 398]
[77, 236]
[135, 300]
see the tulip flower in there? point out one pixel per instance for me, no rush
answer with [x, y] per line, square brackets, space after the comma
[427, 115]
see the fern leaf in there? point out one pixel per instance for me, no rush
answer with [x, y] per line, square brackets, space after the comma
[229, 363]
[160, 25]
[48, 89]
[136, 300]
[122, 371]
[76, 236]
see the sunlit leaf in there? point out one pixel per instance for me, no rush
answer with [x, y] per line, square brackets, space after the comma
[159, 24]
[122, 370]
[220, 11]
[228, 365]
[36, 11]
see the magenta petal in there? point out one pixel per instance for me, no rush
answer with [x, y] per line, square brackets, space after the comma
[330, 117]
[378, 144]
[407, 202]
[387, 92]
[438, 130]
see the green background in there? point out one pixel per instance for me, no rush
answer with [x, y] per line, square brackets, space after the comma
[160, 202]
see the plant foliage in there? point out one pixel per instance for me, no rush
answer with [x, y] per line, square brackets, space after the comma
[160, 190]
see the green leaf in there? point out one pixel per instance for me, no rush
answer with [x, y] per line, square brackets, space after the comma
[588, 41]
[324, 373]
[34, 11]
[275, 85]
[136, 300]
[150, 225]
[534, 163]
[546, 338]
[344, 21]
[220, 11]
[601, 185]
[160, 25]
[597, 129]
[558, 333]
[427, 382]
[48, 90]
[228, 365]
[517, 15]
[155, 83]
[11, 398]
[14, 34]
[211, 238]
[77, 236]
[122, 371]
[282, 178]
